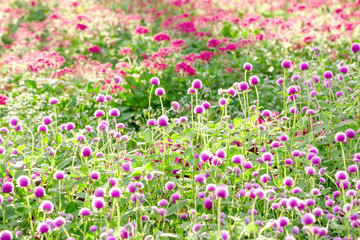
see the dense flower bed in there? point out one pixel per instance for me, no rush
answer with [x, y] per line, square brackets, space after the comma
[179, 119]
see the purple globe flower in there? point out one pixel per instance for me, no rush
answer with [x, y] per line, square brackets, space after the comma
[23, 181]
[53, 100]
[114, 112]
[286, 63]
[225, 235]
[86, 151]
[279, 81]
[163, 202]
[206, 105]
[99, 192]
[222, 102]
[248, 66]
[222, 192]
[208, 204]
[159, 91]
[98, 203]
[308, 219]
[243, 86]
[99, 113]
[43, 228]
[304, 66]
[163, 121]
[175, 105]
[100, 98]
[39, 192]
[59, 221]
[231, 91]
[175, 196]
[58, 175]
[93, 228]
[340, 137]
[155, 81]
[196, 227]
[221, 153]
[328, 74]
[94, 175]
[254, 80]
[169, 186]
[197, 84]
[350, 133]
[47, 207]
[47, 120]
[151, 122]
[355, 47]
[344, 69]
[316, 51]
[191, 91]
[85, 212]
[43, 128]
[200, 178]
[283, 221]
[5, 235]
[341, 175]
[288, 181]
[7, 187]
[199, 109]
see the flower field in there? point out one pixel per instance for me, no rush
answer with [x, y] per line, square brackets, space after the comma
[179, 119]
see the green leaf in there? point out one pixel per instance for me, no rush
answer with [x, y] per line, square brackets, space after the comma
[30, 84]
[148, 135]
[137, 172]
[149, 166]
[3, 170]
[251, 227]
[45, 140]
[80, 181]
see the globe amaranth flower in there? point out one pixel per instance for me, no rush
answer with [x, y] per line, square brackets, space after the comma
[163, 121]
[304, 66]
[169, 186]
[316, 51]
[86, 151]
[7, 187]
[53, 100]
[222, 192]
[43, 128]
[114, 112]
[47, 207]
[286, 63]
[355, 47]
[47, 120]
[43, 228]
[159, 91]
[253, 80]
[58, 175]
[350, 133]
[23, 181]
[248, 67]
[39, 192]
[151, 122]
[85, 212]
[98, 203]
[206, 105]
[94, 175]
[308, 219]
[328, 74]
[222, 102]
[155, 81]
[340, 137]
[197, 84]
[199, 109]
